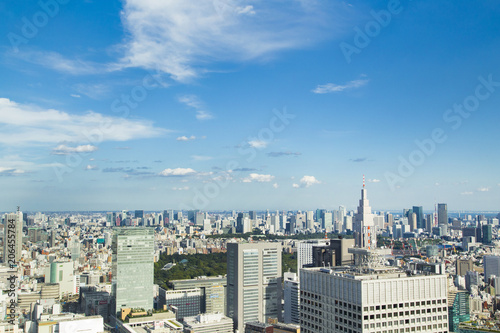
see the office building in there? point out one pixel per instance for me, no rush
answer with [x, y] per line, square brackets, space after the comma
[187, 302]
[305, 251]
[139, 214]
[292, 298]
[365, 235]
[491, 265]
[487, 233]
[253, 282]
[372, 300]
[419, 212]
[213, 292]
[208, 323]
[132, 268]
[442, 214]
[13, 238]
[458, 310]
[463, 266]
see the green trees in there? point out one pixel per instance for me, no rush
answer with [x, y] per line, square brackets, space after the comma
[189, 267]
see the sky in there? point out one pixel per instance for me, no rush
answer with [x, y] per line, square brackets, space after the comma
[232, 104]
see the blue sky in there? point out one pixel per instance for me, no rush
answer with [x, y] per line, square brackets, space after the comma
[227, 104]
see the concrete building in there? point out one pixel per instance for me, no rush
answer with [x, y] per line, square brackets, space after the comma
[463, 266]
[491, 266]
[62, 273]
[291, 298]
[305, 251]
[208, 323]
[132, 268]
[253, 282]
[213, 292]
[372, 300]
[187, 302]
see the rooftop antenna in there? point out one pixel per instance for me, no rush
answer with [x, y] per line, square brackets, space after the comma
[18, 208]
[363, 181]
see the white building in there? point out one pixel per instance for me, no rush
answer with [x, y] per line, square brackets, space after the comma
[291, 298]
[305, 251]
[377, 300]
[208, 323]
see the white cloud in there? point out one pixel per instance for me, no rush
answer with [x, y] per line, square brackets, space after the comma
[255, 177]
[259, 144]
[181, 37]
[59, 63]
[332, 87]
[75, 96]
[374, 180]
[275, 185]
[195, 103]
[65, 150]
[201, 158]
[185, 188]
[467, 193]
[91, 167]
[295, 185]
[10, 171]
[177, 172]
[483, 189]
[28, 124]
[185, 138]
[307, 181]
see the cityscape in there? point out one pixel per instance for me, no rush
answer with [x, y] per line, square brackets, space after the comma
[249, 166]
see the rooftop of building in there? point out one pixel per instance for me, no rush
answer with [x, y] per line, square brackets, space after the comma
[368, 273]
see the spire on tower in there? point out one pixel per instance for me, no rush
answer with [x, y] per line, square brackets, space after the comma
[363, 181]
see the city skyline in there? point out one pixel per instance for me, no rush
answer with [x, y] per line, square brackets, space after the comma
[128, 104]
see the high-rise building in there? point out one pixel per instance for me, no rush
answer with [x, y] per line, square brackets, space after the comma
[372, 300]
[419, 211]
[458, 311]
[491, 266]
[13, 238]
[365, 235]
[442, 214]
[487, 233]
[291, 298]
[326, 220]
[253, 282]
[132, 268]
[139, 214]
[305, 251]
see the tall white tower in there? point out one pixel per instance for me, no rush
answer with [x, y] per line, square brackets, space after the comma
[365, 234]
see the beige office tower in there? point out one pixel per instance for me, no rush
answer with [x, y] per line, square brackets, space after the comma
[253, 282]
[13, 238]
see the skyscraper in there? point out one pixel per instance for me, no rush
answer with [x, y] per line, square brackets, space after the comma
[365, 235]
[132, 285]
[13, 238]
[491, 266]
[253, 282]
[442, 214]
[419, 211]
[487, 233]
